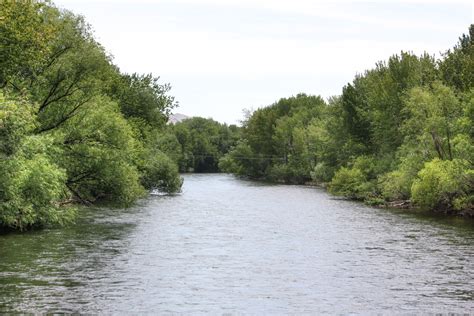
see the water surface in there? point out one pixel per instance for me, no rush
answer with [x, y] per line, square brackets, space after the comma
[231, 246]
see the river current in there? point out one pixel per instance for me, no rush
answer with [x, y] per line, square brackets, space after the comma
[228, 246]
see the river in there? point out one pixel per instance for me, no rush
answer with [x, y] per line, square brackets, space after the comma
[228, 246]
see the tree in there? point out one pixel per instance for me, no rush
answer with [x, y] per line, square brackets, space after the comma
[457, 67]
[433, 118]
[32, 185]
[202, 143]
[444, 185]
[276, 144]
[143, 98]
[24, 39]
[74, 129]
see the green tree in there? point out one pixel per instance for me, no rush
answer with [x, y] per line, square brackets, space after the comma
[101, 154]
[203, 142]
[444, 185]
[32, 185]
[457, 67]
[85, 133]
[143, 99]
[433, 115]
[276, 143]
[24, 39]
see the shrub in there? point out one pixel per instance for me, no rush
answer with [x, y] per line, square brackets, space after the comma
[443, 184]
[322, 173]
[396, 185]
[279, 173]
[229, 165]
[32, 186]
[161, 173]
[30, 192]
[351, 183]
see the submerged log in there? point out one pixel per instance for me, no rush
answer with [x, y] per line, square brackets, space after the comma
[400, 204]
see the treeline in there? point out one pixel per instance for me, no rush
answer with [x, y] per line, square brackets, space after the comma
[400, 134]
[197, 144]
[73, 128]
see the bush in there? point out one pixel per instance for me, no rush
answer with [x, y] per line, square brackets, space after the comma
[372, 166]
[229, 165]
[161, 173]
[351, 183]
[242, 161]
[464, 203]
[119, 182]
[292, 173]
[279, 173]
[30, 192]
[32, 186]
[443, 184]
[396, 185]
[322, 173]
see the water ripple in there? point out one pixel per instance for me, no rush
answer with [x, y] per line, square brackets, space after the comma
[228, 246]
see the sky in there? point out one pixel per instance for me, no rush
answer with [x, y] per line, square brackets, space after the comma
[224, 56]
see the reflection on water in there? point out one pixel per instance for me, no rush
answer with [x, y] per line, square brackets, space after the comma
[230, 246]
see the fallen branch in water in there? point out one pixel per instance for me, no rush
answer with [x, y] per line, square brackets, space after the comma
[400, 204]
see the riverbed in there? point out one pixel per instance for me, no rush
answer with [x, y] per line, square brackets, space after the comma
[229, 246]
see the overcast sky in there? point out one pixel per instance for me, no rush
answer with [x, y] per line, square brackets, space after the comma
[222, 56]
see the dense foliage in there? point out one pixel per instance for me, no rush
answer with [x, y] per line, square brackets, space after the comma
[200, 143]
[401, 132]
[73, 128]
[277, 142]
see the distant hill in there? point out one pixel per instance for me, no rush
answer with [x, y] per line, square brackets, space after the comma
[176, 118]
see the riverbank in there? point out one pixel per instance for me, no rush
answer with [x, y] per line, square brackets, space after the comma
[391, 135]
